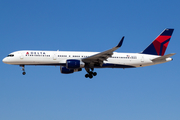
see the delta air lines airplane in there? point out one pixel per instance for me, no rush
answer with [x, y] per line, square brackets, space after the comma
[70, 61]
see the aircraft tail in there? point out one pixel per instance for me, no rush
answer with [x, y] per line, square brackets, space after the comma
[159, 45]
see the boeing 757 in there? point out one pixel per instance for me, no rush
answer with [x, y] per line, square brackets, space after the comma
[71, 61]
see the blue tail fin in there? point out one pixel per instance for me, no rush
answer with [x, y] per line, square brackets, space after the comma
[159, 45]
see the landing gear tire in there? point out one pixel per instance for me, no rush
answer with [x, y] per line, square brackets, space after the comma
[90, 76]
[94, 73]
[87, 75]
[23, 73]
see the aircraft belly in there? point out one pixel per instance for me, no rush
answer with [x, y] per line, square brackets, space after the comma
[110, 65]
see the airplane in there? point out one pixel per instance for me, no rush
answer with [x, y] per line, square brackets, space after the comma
[71, 61]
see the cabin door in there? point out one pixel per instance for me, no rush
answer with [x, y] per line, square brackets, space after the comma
[55, 56]
[22, 56]
[142, 58]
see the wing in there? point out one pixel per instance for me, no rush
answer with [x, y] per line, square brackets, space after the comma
[102, 56]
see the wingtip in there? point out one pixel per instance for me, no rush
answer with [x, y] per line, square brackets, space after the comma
[121, 42]
[173, 53]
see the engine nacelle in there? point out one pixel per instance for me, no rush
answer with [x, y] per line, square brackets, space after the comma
[74, 64]
[65, 70]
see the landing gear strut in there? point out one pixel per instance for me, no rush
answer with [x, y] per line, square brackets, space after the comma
[23, 69]
[90, 74]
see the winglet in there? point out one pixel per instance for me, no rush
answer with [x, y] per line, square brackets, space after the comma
[121, 42]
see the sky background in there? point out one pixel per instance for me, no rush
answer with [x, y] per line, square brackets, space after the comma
[148, 93]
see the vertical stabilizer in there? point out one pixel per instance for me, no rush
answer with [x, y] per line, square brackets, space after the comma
[159, 45]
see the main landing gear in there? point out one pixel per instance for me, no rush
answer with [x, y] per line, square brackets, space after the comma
[23, 69]
[90, 74]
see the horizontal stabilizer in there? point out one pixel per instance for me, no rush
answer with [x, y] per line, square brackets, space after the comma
[163, 57]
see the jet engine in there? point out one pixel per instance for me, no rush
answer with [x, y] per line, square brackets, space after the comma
[65, 70]
[74, 64]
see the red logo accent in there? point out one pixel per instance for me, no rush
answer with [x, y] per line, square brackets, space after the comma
[27, 53]
[157, 44]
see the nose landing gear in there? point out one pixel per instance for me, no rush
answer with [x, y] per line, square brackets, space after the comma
[23, 69]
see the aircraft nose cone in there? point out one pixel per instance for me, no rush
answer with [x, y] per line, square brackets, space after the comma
[4, 60]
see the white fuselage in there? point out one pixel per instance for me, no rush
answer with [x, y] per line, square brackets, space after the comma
[58, 58]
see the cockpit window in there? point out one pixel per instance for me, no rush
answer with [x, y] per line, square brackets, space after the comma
[10, 55]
